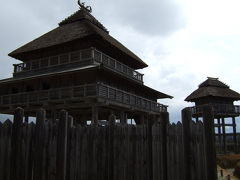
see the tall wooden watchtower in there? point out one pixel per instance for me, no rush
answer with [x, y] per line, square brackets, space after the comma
[217, 94]
[79, 67]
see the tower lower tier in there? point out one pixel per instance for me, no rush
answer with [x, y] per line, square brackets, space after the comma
[77, 98]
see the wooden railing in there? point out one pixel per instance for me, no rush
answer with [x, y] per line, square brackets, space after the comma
[52, 61]
[77, 92]
[77, 58]
[219, 109]
[129, 99]
[115, 65]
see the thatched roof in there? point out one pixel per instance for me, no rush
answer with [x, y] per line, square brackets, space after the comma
[213, 87]
[83, 14]
[159, 94]
[78, 26]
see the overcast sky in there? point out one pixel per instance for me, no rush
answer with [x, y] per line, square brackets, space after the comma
[182, 41]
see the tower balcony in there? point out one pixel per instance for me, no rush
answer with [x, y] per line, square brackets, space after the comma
[102, 94]
[74, 60]
[219, 110]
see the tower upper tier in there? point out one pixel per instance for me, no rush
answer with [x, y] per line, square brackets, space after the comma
[80, 30]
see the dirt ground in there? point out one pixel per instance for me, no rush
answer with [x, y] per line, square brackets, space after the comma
[226, 172]
[230, 165]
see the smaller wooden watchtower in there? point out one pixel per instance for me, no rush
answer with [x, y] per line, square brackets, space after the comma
[217, 94]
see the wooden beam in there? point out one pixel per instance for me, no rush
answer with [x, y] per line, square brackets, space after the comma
[234, 135]
[219, 132]
[219, 125]
[224, 136]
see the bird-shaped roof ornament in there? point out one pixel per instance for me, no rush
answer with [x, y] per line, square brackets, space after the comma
[82, 5]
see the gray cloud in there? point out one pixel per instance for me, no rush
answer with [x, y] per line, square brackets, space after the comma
[24, 21]
[156, 17]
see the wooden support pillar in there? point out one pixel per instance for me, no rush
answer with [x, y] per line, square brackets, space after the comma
[123, 118]
[210, 146]
[70, 135]
[61, 156]
[142, 120]
[15, 68]
[26, 119]
[112, 121]
[186, 121]
[197, 119]
[150, 122]
[139, 119]
[224, 136]
[219, 133]
[164, 121]
[234, 135]
[53, 115]
[94, 115]
[38, 173]
[16, 146]
[80, 119]
[76, 119]
[70, 121]
[153, 118]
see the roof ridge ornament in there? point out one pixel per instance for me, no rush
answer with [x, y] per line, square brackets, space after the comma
[212, 78]
[82, 5]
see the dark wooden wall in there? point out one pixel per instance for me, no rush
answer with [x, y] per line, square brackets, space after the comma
[213, 100]
[59, 81]
[60, 150]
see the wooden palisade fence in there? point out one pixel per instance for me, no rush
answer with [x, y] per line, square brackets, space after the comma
[59, 150]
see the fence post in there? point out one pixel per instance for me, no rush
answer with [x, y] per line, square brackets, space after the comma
[164, 121]
[94, 115]
[123, 117]
[39, 146]
[150, 121]
[70, 169]
[62, 146]
[186, 121]
[16, 159]
[210, 148]
[112, 120]
[26, 119]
